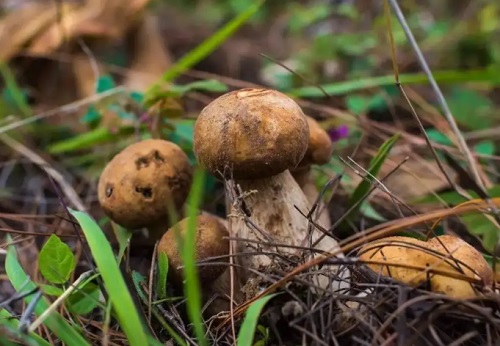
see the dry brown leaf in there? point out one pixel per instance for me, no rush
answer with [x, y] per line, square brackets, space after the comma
[21, 25]
[150, 55]
[104, 19]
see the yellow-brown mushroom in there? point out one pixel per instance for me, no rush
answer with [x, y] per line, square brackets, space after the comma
[254, 137]
[212, 249]
[140, 183]
[443, 262]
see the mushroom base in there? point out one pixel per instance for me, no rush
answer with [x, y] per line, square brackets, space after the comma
[266, 213]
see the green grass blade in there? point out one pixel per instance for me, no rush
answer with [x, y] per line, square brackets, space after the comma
[375, 165]
[249, 325]
[120, 297]
[16, 92]
[137, 280]
[340, 88]
[6, 319]
[54, 321]
[192, 290]
[206, 47]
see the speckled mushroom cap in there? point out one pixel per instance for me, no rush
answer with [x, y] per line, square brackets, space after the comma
[211, 241]
[137, 184]
[257, 133]
[396, 255]
[320, 146]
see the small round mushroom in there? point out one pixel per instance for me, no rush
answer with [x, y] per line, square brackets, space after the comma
[211, 245]
[138, 184]
[318, 152]
[447, 254]
[255, 137]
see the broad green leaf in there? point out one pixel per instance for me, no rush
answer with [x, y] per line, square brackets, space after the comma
[485, 147]
[54, 321]
[92, 116]
[104, 83]
[479, 225]
[56, 260]
[6, 319]
[123, 304]
[161, 288]
[470, 108]
[84, 299]
[438, 137]
[249, 325]
[51, 290]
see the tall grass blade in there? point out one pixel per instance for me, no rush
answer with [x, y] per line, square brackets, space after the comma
[120, 297]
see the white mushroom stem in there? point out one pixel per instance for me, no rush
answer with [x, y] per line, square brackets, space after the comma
[306, 183]
[272, 203]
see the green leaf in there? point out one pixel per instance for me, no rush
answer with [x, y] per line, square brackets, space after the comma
[204, 49]
[375, 165]
[54, 321]
[91, 116]
[491, 76]
[367, 210]
[161, 288]
[470, 108]
[83, 300]
[248, 327]
[485, 147]
[51, 290]
[123, 236]
[56, 260]
[438, 137]
[7, 320]
[105, 83]
[479, 225]
[120, 297]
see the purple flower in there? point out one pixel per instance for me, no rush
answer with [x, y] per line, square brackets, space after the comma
[338, 133]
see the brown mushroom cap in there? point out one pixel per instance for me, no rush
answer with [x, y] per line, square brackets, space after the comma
[257, 133]
[320, 146]
[135, 187]
[211, 241]
[399, 252]
[457, 248]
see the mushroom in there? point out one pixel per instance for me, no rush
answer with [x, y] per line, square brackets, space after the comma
[211, 245]
[253, 138]
[139, 184]
[318, 152]
[415, 262]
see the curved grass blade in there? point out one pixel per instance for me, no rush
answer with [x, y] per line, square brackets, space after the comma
[204, 49]
[120, 297]
[54, 321]
[249, 325]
